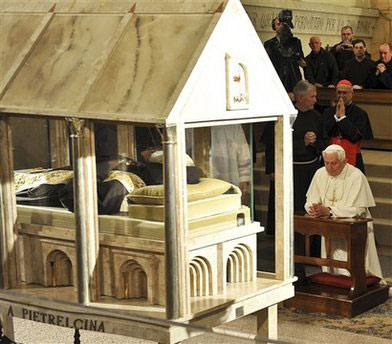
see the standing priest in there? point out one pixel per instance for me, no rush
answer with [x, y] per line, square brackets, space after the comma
[342, 190]
[309, 139]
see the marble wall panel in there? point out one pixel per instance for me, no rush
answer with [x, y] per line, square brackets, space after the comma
[61, 62]
[146, 66]
[148, 6]
[26, 6]
[74, 6]
[111, 6]
[15, 32]
[94, 6]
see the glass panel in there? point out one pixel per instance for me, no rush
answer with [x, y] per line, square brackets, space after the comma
[31, 147]
[230, 157]
[41, 155]
[224, 153]
[265, 194]
[128, 158]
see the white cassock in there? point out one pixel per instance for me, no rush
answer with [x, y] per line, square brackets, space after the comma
[348, 195]
[230, 154]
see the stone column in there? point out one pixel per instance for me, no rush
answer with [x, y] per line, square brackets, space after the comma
[85, 208]
[8, 244]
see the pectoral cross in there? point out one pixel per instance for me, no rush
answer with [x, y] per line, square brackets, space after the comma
[333, 199]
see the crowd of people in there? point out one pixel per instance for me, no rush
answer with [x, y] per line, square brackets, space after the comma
[326, 144]
[347, 59]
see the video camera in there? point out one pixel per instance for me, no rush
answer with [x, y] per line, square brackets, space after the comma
[285, 18]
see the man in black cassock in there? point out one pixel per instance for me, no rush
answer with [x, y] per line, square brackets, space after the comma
[347, 124]
[382, 78]
[309, 140]
[285, 51]
[359, 69]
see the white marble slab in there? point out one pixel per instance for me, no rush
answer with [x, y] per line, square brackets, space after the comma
[15, 31]
[61, 62]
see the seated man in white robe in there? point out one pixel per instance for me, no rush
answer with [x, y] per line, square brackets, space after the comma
[342, 190]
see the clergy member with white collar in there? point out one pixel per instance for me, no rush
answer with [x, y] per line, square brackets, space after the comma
[341, 190]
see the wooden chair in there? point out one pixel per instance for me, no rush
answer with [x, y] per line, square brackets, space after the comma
[361, 293]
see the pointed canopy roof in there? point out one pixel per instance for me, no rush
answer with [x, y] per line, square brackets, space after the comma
[135, 61]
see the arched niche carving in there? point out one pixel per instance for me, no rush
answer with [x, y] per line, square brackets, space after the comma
[239, 264]
[59, 269]
[201, 283]
[133, 281]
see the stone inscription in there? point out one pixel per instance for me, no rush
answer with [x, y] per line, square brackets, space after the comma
[79, 323]
[313, 23]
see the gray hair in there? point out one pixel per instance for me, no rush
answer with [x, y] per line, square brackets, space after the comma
[339, 150]
[303, 87]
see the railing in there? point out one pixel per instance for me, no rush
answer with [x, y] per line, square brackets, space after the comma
[326, 95]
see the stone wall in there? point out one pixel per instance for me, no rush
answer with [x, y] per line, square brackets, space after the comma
[383, 29]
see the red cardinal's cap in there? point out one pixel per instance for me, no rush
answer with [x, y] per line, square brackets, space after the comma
[344, 82]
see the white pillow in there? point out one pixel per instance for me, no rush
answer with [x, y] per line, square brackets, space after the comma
[206, 188]
[157, 157]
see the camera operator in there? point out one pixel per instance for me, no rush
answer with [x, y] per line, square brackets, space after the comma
[343, 51]
[285, 50]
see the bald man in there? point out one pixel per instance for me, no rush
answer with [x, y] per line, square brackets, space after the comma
[382, 78]
[321, 69]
